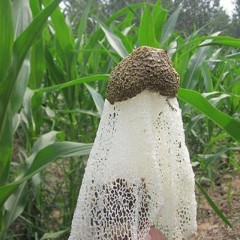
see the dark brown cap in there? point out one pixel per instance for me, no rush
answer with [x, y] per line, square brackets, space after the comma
[145, 68]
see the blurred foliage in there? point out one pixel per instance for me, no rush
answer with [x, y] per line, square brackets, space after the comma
[205, 16]
[235, 26]
[53, 81]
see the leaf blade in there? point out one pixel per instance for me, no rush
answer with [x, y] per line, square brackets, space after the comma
[42, 159]
[20, 49]
[146, 33]
[114, 41]
[97, 77]
[170, 25]
[227, 123]
[6, 39]
[97, 98]
[214, 206]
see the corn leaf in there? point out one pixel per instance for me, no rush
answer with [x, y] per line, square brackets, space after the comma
[222, 41]
[98, 77]
[42, 159]
[115, 42]
[21, 47]
[83, 22]
[207, 77]
[54, 235]
[213, 205]
[227, 123]
[159, 18]
[5, 150]
[97, 98]
[22, 16]
[124, 11]
[37, 53]
[170, 25]
[192, 75]
[6, 39]
[146, 33]
[15, 205]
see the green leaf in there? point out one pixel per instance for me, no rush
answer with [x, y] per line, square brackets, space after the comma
[42, 159]
[83, 21]
[56, 150]
[227, 123]
[98, 35]
[37, 64]
[35, 7]
[64, 48]
[192, 75]
[222, 41]
[42, 142]
[26, 39]
[98, 77]
[159, 18]
[63, 32]
[147, 30]
[125, 11]
[214, 206]
[54, 235]
[22, 16]
[207, 77]
[6, 39]
[125, 40]
[7, 86]
[20, 87]
[15, 205]
[5, 150]
[56, 73]
[97, 98]
[170, 25]
[114, 41]
[77, 111]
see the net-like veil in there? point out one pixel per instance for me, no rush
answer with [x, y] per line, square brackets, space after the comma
[138, 174]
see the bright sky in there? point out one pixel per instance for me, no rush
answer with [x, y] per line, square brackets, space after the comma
[227, 5]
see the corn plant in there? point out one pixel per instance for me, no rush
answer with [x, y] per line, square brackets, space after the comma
[52, 89]
[18, 36]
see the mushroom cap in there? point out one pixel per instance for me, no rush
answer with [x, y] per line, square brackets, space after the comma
[145, 68]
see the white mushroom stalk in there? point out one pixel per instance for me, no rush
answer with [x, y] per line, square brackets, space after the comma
[139, 172]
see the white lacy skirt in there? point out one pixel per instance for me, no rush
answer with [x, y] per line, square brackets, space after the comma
[138, 174]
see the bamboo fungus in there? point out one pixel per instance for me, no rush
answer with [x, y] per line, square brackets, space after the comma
[138, 173]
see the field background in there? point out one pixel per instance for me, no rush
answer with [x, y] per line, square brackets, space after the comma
[55, 63]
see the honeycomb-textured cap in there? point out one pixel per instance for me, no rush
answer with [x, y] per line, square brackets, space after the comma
[145, 68]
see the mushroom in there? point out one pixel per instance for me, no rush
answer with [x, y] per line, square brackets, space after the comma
[139, 172]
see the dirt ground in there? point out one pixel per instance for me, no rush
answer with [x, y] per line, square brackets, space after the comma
[227, 196]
